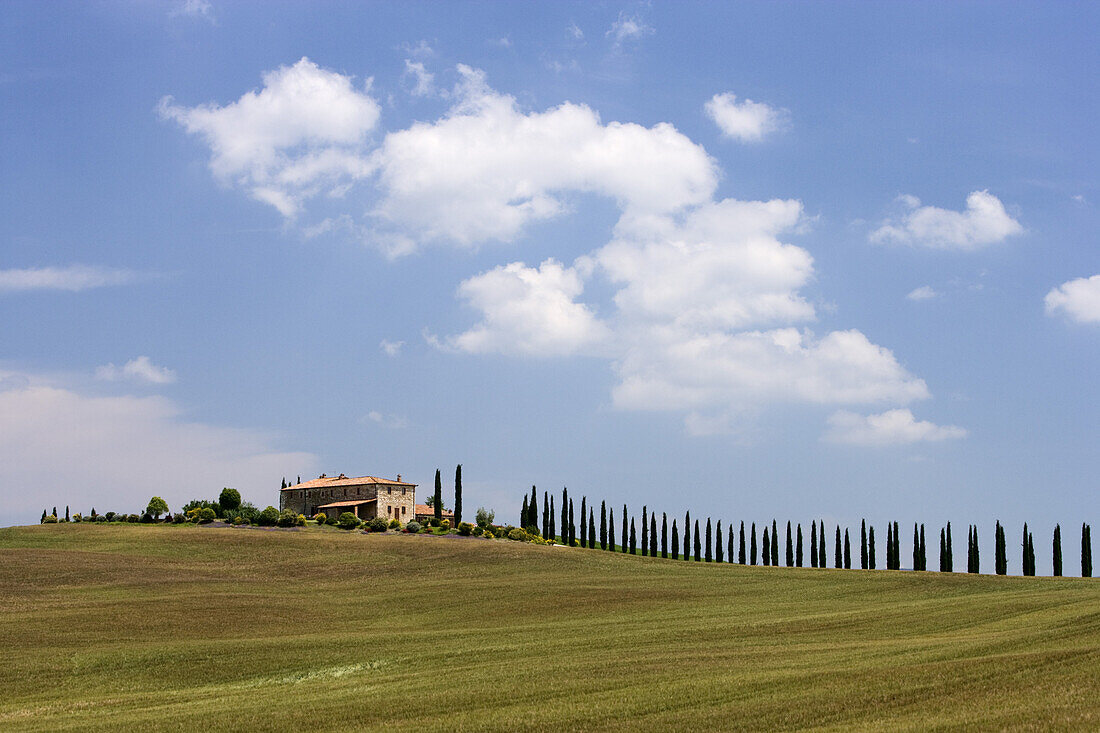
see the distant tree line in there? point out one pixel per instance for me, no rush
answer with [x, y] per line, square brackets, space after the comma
[704, 543]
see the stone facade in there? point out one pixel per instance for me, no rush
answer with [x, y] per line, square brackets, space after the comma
[365, 496]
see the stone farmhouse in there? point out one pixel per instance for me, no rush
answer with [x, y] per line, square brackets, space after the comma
[366, 497]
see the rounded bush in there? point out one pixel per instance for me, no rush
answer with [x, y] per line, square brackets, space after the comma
[378, 524]
[487, 533]
[445, 524]
[146, 518]
[517, 534]
[301, 520]
[239, 520]
[394, 524]
[133, 518]
[205, 515]
[477, 531]
[348, 520]
[50, 519]
[269, 517]
[110, 516]
[412, 526]
[434, 522]
[465, 529]
[102, 518]
[287, 518]
[320, 518]
[332, 521]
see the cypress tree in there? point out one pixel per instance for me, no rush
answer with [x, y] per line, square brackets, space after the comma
[821, 563]
[889, 547]
[550, 515]
[897, 547]
[675, 541]
[458, 494]
[847, 551]
[950, 550]
[871, 548]
[813, 543]
[54, 512]
[1057, 551]
[624, 528]
[1031, 553]
[43, 520]
[523, 513]
[729, 545]
[838, 560]
[710, 547]
[603, 525]
[284, 483]
[546, 516]
[698, 542]
[572, 527]
[775, 545]
[591, 528]
[718, 555]
[1001, 559]
[565, 516]
[687, 535]
[1086, 551]
[798, 547]
[611, 532]
[664, 534]
[532, 509]
[977, 553]
[789, 558]
[653, 534]
[439, 496]
[752, 546]
[916, 548]
[1024, 555]
[584, 515]
[923, 552]
[645, 531]
[863, 544]
[767, 548]
[741, 545]
[943, 550]
[633, 539]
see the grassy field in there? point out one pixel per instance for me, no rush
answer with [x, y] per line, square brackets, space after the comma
[139, 627]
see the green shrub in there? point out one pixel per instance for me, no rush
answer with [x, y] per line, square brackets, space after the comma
[301, 520]
[445, 524]
[487, 533]
[394, 524]
[229, 499]
[146, 518]
[103, 518]
[50, 519]
[485, 517]
[412, 526]
[205, 515]
[110, 516]
[378, 524]
[331, 521]
[434, 522]
[476, 531]
[269, 517]
[239, 520]
[320, 518]
[287, 518]
[517, 534]
[348, 520]
[78, 518]
[465, 528]
[133, 518]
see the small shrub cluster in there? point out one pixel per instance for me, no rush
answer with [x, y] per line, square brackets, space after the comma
[378, 524]
[412, 526]
[347, 520]
[465, 529]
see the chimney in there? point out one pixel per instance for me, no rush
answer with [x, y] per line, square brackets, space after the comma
[398, 478]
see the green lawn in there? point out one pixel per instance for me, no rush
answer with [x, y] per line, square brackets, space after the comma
[145, 627]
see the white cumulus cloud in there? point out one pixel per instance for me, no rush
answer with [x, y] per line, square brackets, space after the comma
[1077, 299]
[301, 135]
[924, 292]
[73, 278]
[628, 28]
[425, 80]
[61, 447]
[391, 348]
[747, 121]
[893, 427]
[140, 369]
[984, 222]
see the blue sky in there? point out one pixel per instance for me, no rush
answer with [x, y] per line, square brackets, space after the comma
[753, 260]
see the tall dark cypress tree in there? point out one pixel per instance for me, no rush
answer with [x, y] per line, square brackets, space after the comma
[775, 545]
[977, 553]
[532, 508]
[798, 547]
[1024, 555]
[923, 550]
[789, 555]
[949, 546]
[813, 544]
[752, 545]
[871, 548]
[572, 527]
[633, 539]
[565, 516]
[1057, 551]
[645, 531]
[438, 498]
[687, 535]
[943, 550]
[698, 542]
[591, 528]
[821, 552]
[838, 559]
[523, 513]
[767, 546]
[916, 547]
[1086, 551]
[1001, 563]
[897, 547]
[718, 555]
[611, 532]
[553, 530]
[546, 516]
[653, 534]
[624, 528]
[863, 544]
[584, 516]
[847, 551]
[889, 547]
[710, 547]
[729, 545]
[675, 541]
[603, 525]
[741, 545]
[664, 534]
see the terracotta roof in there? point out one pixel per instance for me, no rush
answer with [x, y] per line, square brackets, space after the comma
[349, 502]
[425, 509]
[329, 482]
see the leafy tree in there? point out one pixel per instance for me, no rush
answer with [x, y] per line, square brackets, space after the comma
[789, 558]
[752, 545]
[718, 551]
[798, 547]
[603, 525]
[611, 532]
[664, 535]
[847, 551]
[458, 496]
[633, 537]
[591, 529]
[157, 506]
[838, 559]
[767, 547]
[584, 528]
[871, 548]
[863, 544]
[228, 500]
[813, 543]
[675, 541]
[645, 530]
[437, 504]
[741, 545]
[1086, 551]
[1057, 550]
[709, 557]
[698, 544]
[653, 534]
